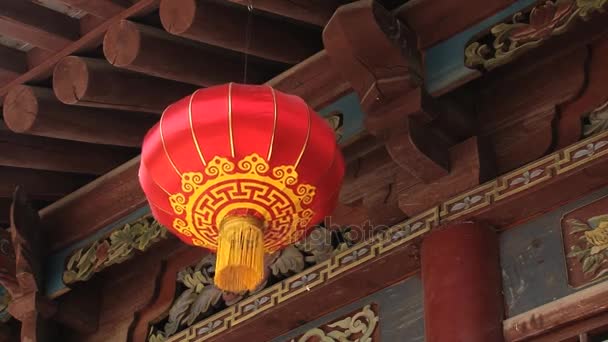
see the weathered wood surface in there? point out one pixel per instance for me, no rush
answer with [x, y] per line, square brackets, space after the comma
[139, 283]
[99, 8]
[470, 165]
[91, 39]
[351, 286]
[315, 12]
[58, 155]
[214, 24]
[46, 185]
[436, 21]
[314, 79]
[516, 112]
[12, 64]
[581, 305]
[97, 204]
[37, 25]
[166, 290]
[154, 52]
[96, 83]
[36, 111]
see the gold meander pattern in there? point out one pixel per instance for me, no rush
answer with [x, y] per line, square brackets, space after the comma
[566, 160]
[249, 184]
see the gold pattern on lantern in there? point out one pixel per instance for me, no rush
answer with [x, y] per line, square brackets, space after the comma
[276, 194]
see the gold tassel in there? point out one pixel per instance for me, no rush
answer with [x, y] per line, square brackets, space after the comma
[240, 254]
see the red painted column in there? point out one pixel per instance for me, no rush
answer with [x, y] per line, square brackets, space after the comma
[462, 284]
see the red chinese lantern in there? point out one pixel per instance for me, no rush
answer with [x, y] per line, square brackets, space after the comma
[240, 170]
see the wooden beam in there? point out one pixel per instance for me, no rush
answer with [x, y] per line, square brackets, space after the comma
[45, 185]
[99, 8]
[12, 64]
[37, 25]
[315, 80]
[315, 12]
[97, 204]
[36, 111]
[43, 68]
[57, 155]
[157, 53]
[96, 83]
[435, 21]
[226, 26]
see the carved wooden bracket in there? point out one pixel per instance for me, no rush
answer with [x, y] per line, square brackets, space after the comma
[376, 53]
[22, 276]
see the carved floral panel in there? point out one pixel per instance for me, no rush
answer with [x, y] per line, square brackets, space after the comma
[585, 237]
[527, 30]
[360, 326]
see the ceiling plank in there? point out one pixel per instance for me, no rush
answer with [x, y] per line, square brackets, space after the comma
[12, 63]
[315, 80]
[96, 83]
[91, 38]
[214, 23]
[39, 184]
[36, 111]
[39, 153]
[37, 25]
[315, 12]
[99, 8]
[157, 53]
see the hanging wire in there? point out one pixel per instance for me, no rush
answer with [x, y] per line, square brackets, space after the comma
[248, 37]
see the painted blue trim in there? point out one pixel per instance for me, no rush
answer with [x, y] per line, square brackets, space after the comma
[55, 264]
[444, 62]
[349, 105]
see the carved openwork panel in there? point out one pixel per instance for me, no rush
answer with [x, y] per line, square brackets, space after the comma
[197, 298]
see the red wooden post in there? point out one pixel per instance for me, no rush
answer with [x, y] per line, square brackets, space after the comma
[462, 284]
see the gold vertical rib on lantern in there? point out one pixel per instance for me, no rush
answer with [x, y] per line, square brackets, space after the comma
[240, 254]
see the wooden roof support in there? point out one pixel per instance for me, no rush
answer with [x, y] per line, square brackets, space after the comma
[157, 53]
[315, 12]
[95, 83]
[36, 111]
[374, 51]
[58, 155]
[226, 26]
[12, 63]
[315, 80]
[41, 65]
[99, 8]
[45, 185]
[37, 25]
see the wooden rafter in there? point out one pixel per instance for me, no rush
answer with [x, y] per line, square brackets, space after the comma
[58, 155]
[36, 111]
[315, 12]
[99, 8]
[37, 25]
[213, 23]
[95, 83]
[154, 52]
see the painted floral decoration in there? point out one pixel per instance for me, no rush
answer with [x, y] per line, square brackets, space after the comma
[592, 247]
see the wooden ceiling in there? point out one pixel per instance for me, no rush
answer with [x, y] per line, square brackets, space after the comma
[81, 81]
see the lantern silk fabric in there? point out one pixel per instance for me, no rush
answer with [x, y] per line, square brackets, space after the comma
[241, 150]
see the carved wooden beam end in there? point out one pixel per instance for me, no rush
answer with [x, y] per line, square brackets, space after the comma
[373, 51]
[472, 163]
[377, 54]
